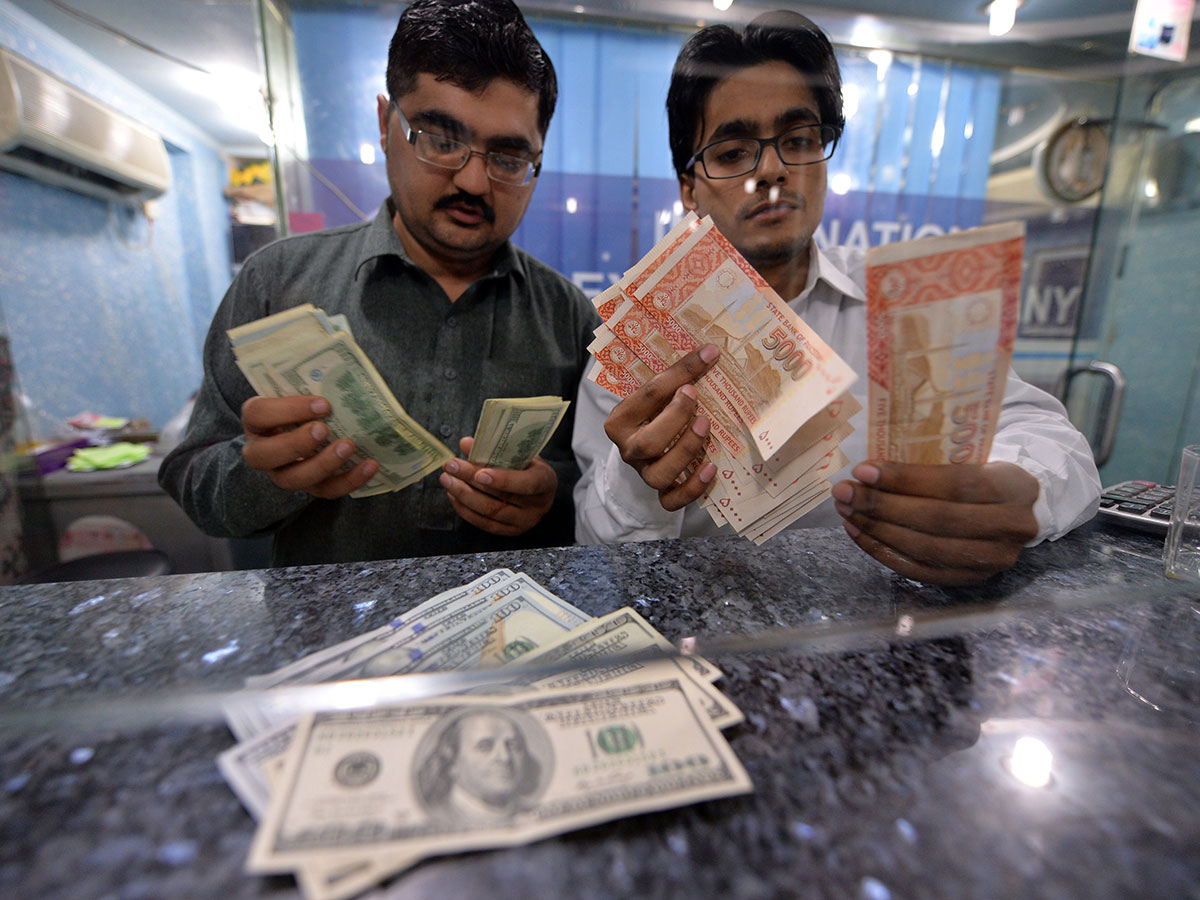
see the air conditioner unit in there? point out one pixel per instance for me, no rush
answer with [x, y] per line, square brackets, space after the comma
[57, 134]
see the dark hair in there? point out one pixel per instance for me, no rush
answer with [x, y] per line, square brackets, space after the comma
[718, 51]
[469, 43]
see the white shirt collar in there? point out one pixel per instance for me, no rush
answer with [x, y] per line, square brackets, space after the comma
[822, 265]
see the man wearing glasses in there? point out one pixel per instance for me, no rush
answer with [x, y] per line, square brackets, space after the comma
[448, 310]
[753, 116]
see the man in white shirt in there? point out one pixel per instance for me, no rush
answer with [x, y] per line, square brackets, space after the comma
[744, 102]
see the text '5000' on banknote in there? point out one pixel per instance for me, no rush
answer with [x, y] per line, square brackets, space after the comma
[774, 371]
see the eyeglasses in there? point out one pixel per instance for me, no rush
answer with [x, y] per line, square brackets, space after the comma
[447, 153]
[799, 146]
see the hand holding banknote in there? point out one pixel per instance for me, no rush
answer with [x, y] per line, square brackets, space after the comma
[500, 501]
[941, 524]
[657, 431]
[941, 319]
[286, 438]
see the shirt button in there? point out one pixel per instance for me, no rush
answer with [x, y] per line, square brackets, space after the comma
[446, 431]
[450, 374]
[452, 321]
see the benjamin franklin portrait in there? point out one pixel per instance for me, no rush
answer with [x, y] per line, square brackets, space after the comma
[482, 765]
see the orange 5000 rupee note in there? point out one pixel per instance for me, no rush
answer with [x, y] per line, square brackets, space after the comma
[774, 371]
[941, 318]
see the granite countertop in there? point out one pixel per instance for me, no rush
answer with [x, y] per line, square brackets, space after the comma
[879, 771]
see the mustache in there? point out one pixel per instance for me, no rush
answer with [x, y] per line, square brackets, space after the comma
[462, 198]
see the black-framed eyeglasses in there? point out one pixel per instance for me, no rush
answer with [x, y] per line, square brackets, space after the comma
[447, 153]
[802, 145]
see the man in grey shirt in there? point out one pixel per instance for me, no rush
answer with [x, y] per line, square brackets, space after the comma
[448, 310]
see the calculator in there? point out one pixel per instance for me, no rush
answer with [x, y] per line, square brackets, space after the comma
[1143, 505]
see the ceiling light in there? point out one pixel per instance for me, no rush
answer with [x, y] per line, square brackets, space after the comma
[882, 60]
[1002, 15]
[722, 5]
[1192, 126]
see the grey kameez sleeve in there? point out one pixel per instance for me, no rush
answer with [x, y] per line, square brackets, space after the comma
[206, 473]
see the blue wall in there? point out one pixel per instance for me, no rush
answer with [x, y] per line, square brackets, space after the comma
[105, 311]
[607, 145]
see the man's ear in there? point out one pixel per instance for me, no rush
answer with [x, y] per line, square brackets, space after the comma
[383, 107]
[687, 191]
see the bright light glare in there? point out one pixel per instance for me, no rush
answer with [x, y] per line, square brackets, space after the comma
[366, 153]
[1192, 126]
[572, 205]
[1031, 761]
[849, 99]
[238, 92]
[664, 217]
[882, 59]
[912, 89]
[1002, 15]
[1151, 188]
[841, 183]
[939, 138]
[677, 207]
[969, 130]
[722, 5]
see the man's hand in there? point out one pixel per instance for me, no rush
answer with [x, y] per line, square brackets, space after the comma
[285, 438]
[657, 432]
[507, 502]
[940, 524]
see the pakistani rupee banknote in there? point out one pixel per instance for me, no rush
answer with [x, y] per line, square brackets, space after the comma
[777, 400]
[941, 320]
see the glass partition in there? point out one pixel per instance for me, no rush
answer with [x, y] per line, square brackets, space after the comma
[915, 159]
[1141, 306]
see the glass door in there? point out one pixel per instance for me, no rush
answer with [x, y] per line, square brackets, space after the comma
[1141, 310]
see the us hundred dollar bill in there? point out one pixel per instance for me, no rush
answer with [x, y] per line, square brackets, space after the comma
[303, 352]
[513, 430]
[472, 628]
[357, 784]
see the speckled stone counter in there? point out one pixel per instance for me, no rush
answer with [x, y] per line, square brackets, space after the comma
[879, 771]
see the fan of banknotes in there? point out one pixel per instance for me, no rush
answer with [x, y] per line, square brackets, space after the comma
[347, 798]
[303, 351]
[777, 398]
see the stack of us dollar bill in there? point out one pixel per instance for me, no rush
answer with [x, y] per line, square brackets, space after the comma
[777, 399]
[301, 351]
[347, 798]
[513, 430]
[941, 320]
